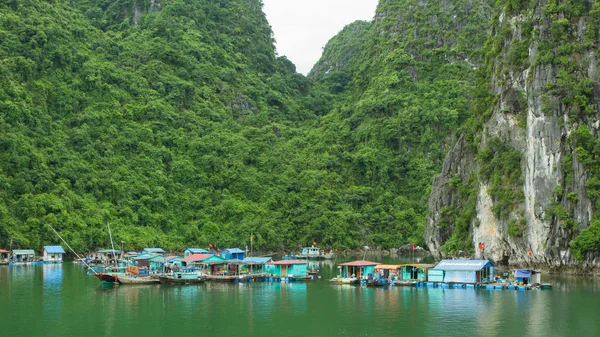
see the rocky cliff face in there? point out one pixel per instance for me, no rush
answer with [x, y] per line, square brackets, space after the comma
[540, 110]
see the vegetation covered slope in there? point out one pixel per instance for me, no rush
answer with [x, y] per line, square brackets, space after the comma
[402, 86]
[178, 130]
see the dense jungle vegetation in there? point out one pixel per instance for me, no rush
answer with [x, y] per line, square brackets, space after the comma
[176, 122]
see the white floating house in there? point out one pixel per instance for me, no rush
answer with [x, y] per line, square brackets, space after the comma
[463, 271]
[53, 254]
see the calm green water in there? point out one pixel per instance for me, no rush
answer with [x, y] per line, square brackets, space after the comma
[61, 300]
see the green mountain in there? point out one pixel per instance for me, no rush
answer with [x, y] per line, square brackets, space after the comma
[174, 121]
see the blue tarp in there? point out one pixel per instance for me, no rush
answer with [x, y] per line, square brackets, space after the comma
[523, 273]
[463, 265]
[54, 249]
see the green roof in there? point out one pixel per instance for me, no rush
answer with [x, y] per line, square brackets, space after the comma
[23, 252]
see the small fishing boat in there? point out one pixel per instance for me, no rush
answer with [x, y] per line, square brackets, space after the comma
[110, 274]
[181, 278]
[222, 278]
[132, 279]
[405, 283]
[376, 282]
[345, 280]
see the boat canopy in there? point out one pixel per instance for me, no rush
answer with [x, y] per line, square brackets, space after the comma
[525, 273]
[463, 265]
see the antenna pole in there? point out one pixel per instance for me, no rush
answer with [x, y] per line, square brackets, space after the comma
[112, 244]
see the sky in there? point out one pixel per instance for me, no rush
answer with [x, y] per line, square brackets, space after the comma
[302, 28]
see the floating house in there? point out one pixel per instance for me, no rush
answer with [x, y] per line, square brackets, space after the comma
[191, 251]
[232, 253]
[414, 272]
[387, 270]
[527, 276]
[210, 263]
[157, 263]
[105, 255]
[153, 251]
[463, 271]
[288, 269]
[256, 265]
[23, 255]
[53, 254]
[143, 260]
[359, 269]
[4, 256]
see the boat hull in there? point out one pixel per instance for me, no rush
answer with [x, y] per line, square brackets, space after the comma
[345, 280]
[174, 280]
[138, 280]
[106, 278]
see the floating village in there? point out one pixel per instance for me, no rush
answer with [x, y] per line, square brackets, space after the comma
[198, 265]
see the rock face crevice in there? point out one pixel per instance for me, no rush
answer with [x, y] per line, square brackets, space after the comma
[533, 113]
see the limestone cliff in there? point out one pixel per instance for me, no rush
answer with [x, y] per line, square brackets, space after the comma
[521, 182]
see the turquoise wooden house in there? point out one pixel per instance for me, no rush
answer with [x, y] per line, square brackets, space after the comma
[23, 255]
[287, 268]
[191, 251]
[232, 254]
[256, 265]
[414, 272]
[465, 271]
[361, 269]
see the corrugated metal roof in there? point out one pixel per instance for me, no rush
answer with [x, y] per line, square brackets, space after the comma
[145, 256]
[233, 250]
[198, 250]
[197, 257]
[153, 250]
[287, 262]
[257, 260]
[387, 266]
[23, 251]
[165, 259]
[235, 261]
[361, 263]
[54, 249]
[109, 251]
[4, 251]
[418, 265]
[463, 265]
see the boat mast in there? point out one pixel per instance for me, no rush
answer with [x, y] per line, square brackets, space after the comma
[112, 244]
[65, 242]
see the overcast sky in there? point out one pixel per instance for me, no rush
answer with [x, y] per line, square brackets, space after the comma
[303, 27]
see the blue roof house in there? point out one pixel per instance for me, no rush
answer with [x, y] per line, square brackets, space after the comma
[466, 271]
[53, 254]
[192, 251]
[232, 253]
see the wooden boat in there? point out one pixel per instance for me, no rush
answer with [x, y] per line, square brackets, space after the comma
[130, 279]
[222, 278]
[345, 280]
[405, 283]
[376, 282]
[305, 278]
[181, 278]
[110, 274]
